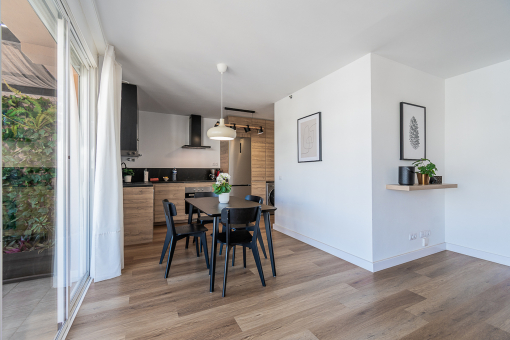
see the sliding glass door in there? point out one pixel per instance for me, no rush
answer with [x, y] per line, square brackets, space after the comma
[45, 170]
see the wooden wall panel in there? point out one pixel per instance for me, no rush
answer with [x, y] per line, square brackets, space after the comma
[224, 155]
[258, 188]
[138, 215]
[258, 153]
[269, 150]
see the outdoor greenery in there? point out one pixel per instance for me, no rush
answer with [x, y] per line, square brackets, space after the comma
[426, 168]
[221, 186]
[28, 172]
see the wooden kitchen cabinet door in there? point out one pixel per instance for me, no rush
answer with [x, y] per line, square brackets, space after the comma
[258, 188]
[138, 215]
[173, 192]
[269, 150]
[258, 152]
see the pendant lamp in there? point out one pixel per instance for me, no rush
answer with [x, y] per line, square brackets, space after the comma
[221, 132]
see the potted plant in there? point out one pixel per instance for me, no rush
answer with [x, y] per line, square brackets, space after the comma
[222, 188]
[426, 170]
[128, 174]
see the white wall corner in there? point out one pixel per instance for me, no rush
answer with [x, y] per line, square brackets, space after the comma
[327, 248]
[407, 257]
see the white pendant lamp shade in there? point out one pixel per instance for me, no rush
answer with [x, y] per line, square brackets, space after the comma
[221, 132]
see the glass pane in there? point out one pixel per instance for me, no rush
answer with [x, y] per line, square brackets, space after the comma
[78, 230]
[29, 171]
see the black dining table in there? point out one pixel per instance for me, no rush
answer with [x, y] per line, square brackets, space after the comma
[211, 206]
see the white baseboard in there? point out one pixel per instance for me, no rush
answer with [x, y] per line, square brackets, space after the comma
[370, 266]
[358, 261]
[407, 257]
[480, 254]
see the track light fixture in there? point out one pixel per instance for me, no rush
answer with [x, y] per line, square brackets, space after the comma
[261, 131]
[247, 129]
[217, 123]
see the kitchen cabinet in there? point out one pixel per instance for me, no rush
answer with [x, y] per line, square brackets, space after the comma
[138, 215]
[175, 193]
[269, 132]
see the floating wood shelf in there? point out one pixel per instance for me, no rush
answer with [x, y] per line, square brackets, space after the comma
[416, 187]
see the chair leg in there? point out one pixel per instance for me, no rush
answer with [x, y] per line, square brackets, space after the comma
[244, 257]
[261, 242]
[233, 255]
[221, 245]
[225, 271]
[187, 242]
[165, 246]
[170, 256]
[206, 252]
[196, 246]
[259, 264]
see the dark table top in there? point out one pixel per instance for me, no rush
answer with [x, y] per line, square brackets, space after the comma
[212, 206]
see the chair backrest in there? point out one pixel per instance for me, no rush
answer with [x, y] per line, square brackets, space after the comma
[170, 212]
[253, 198]
[240, 215]
[230, 216]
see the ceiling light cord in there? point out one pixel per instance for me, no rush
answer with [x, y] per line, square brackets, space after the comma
[221, 101]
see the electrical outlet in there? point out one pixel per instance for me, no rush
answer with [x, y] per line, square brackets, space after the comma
[424, 233]
[413, 236]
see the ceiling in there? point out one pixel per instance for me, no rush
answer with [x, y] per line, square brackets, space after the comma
[170, 48]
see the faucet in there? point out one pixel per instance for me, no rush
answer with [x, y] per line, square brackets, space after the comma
[125, 166]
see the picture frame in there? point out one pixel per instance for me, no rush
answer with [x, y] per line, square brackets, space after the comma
[413, 132]
[309, 138]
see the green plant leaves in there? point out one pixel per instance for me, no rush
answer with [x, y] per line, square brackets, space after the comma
[28, 147]
[426, 169]
[221, 188]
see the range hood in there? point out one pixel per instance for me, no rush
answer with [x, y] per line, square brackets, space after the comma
[195, 133]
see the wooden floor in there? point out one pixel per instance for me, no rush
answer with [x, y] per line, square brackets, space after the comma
[314, 296]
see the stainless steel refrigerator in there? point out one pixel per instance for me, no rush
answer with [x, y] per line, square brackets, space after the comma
[239, 166]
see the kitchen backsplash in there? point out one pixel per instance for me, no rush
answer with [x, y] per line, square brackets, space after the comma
[183, 174]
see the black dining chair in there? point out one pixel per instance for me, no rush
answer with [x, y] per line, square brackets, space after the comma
[174, 234]
[201, 219]
[259, 200]
[240, 237]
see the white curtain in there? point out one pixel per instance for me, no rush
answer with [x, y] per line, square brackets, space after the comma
[107, 219]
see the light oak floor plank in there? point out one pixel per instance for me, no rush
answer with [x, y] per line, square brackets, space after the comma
[315, 296]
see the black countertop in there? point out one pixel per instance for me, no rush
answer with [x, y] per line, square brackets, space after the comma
[150, 184]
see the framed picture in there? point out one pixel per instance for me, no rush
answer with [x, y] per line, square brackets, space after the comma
[413, 131]
[309, 138]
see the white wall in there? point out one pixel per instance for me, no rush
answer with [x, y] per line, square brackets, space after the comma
[162, 136]
[477, 149]
[396, 214]
[328, 203]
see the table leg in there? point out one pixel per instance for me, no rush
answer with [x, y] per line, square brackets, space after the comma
[213, 254]
[267, 223]
[190, 221]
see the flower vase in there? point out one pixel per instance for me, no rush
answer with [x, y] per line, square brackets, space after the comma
[224, 198]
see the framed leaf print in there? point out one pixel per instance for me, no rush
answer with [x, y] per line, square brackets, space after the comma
[309, 138]
[413, 130]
